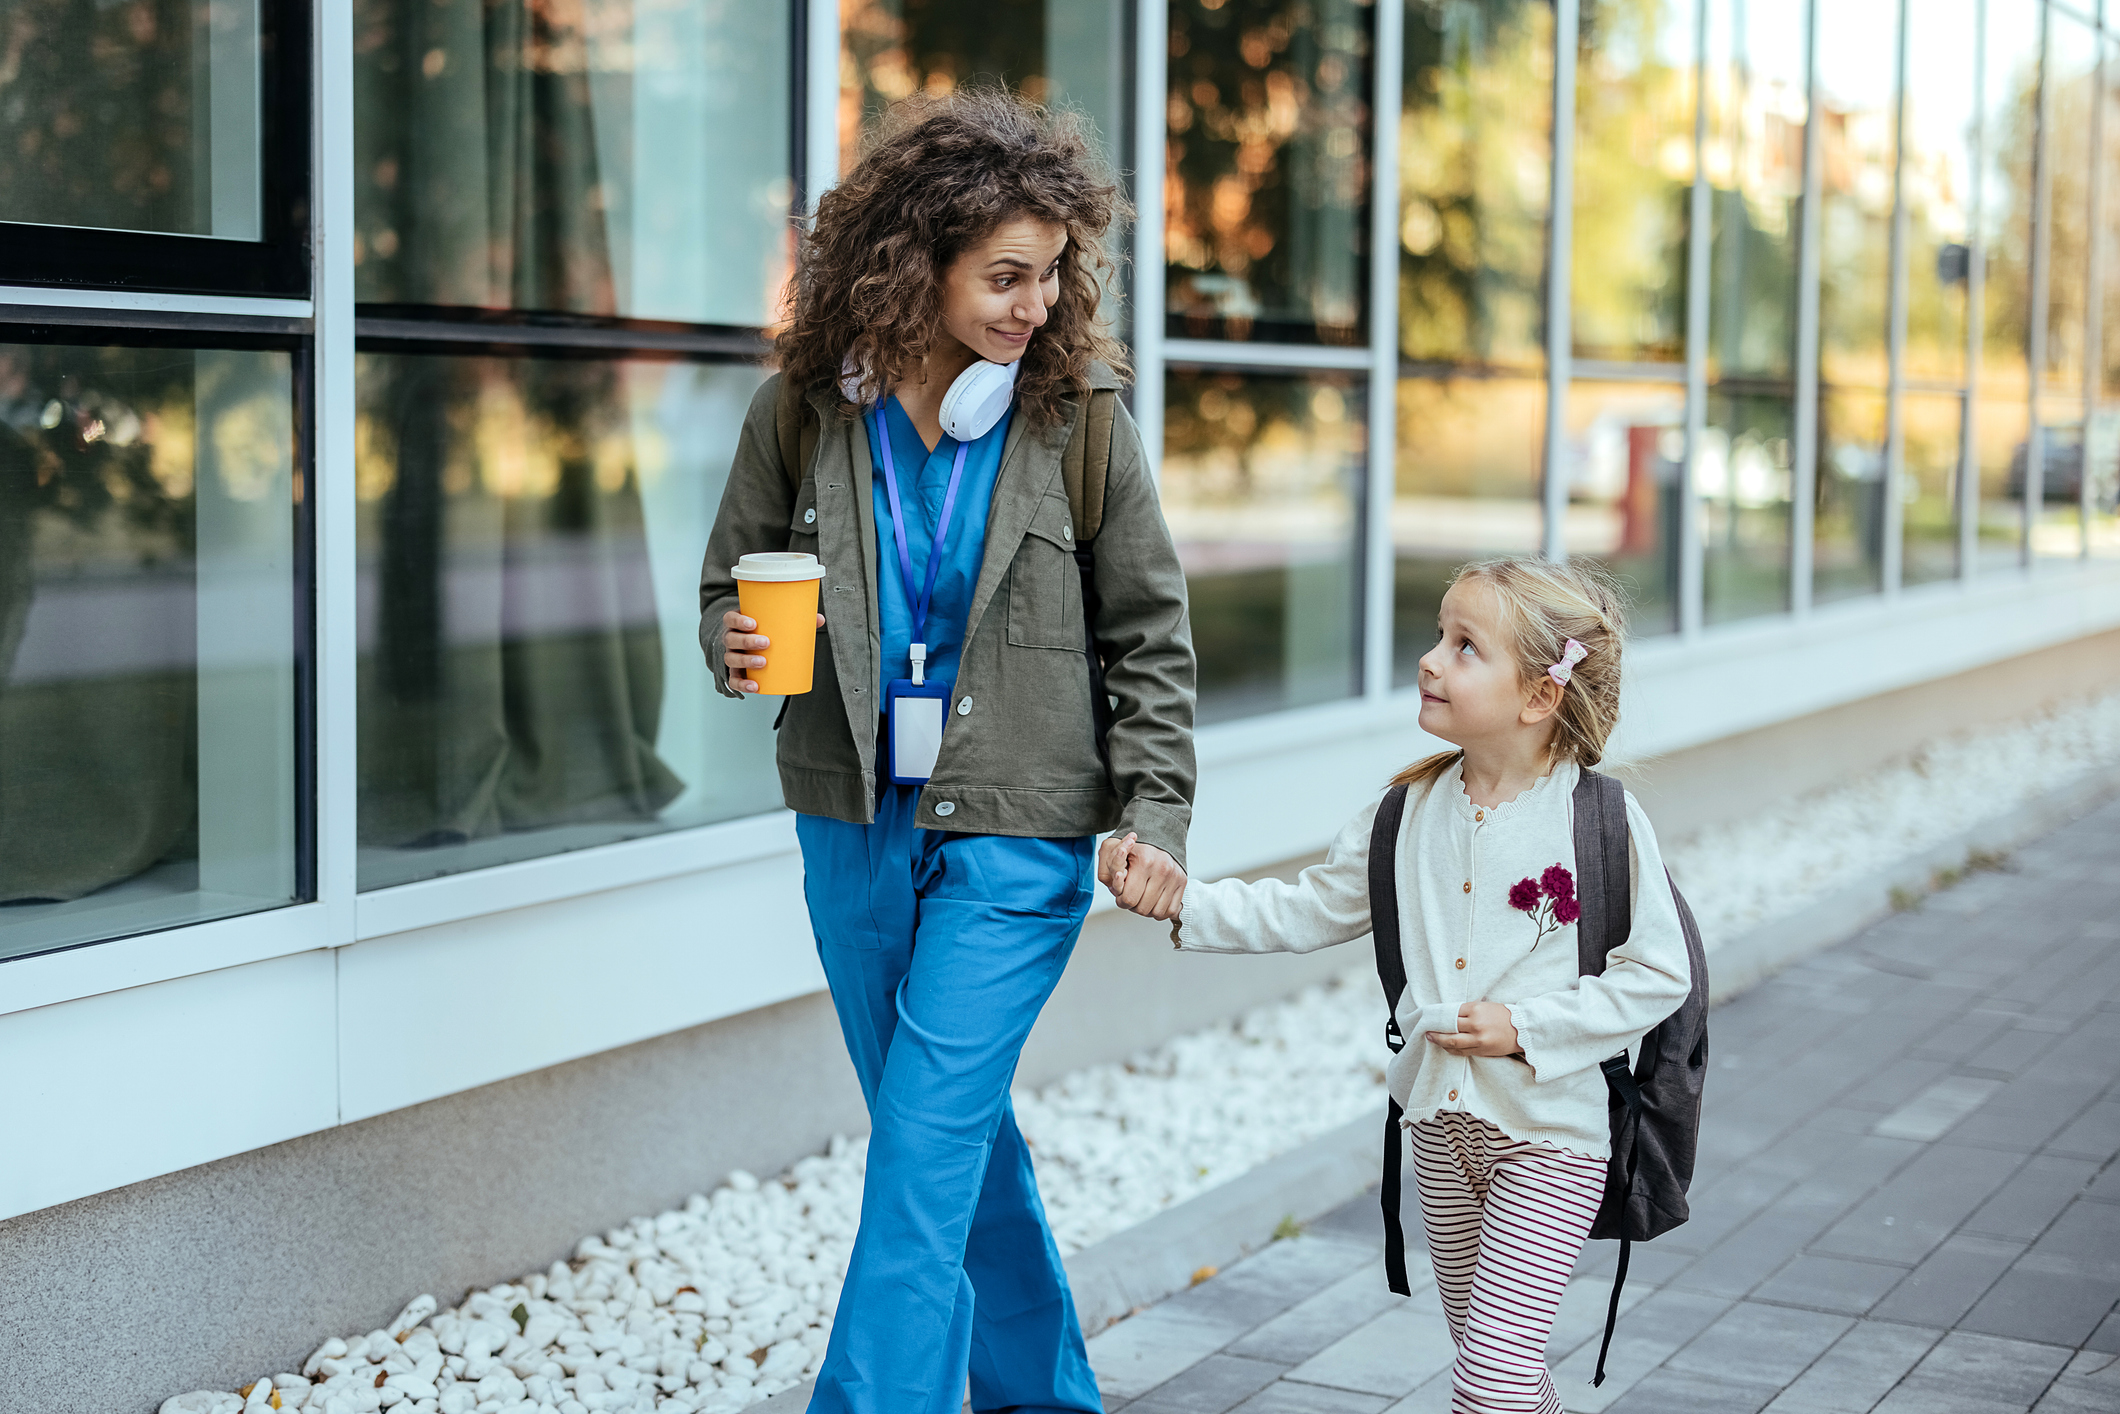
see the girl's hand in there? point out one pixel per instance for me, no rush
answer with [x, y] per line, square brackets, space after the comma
[1484, 1029]
[1111, 863]
[740, 647]
[1144, 879]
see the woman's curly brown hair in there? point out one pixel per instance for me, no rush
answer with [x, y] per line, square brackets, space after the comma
[940, 177]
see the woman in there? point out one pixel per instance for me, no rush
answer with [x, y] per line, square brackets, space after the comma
[964, 252]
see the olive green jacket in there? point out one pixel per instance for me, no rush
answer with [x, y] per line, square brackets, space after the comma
[1019, 754]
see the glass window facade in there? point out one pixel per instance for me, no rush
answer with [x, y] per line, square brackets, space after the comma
[530, 674]
[1266, 194]
[145, 116]
[1842, 321]
[1475, 181]
[153, 639]
[510, 155]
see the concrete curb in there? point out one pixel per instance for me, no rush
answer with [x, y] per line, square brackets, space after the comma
[1781, 943]
[1157, 1258]
[1151, 1260]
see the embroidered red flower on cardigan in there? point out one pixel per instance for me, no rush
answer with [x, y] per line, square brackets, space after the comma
[1549, 899]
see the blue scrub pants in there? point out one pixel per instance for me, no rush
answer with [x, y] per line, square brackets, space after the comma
[940, 950]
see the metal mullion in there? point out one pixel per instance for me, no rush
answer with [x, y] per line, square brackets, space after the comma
[820, 100]
[336, 587]
[1975, 314]
[1560, 250]
[1804, 495]
[2093, 290]
[1699, 247]
[1151, 122]
[1380, 484]
[2035, 339]
[1894, 566]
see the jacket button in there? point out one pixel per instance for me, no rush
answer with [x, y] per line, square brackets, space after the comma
[809, 517]
[1461, 964]
[964, 706]
[948, 807]
[1067, 532]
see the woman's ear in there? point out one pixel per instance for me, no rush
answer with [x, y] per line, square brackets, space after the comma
[1542, 701]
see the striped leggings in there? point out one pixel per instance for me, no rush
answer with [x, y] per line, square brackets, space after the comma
[1506, 1220]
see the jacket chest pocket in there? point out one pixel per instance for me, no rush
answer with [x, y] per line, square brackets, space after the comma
[1044, 587]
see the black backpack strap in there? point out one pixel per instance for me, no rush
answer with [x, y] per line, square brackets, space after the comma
[1605, 889]
[1601, 870]
[1085, 467]
[1391, 971]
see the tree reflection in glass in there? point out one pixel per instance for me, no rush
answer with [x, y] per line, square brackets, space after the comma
[139, 115]
[1261, 477]
[148, 623]
[1475, 143]
[1267, 178]
[626, 157]
[530, 678]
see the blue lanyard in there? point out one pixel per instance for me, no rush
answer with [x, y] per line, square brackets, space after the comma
[917, 604]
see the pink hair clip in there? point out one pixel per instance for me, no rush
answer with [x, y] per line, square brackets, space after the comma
[1571, 654]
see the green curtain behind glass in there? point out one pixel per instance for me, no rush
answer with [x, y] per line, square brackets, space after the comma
[97, 770]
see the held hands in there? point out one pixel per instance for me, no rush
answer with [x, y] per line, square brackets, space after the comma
[741, 647]
[1142, 878]
[1484, 1029]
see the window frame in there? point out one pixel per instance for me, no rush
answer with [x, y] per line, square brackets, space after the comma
[200, 332]
[276, 265]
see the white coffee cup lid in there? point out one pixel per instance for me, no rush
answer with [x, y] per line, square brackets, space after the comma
[775, 566]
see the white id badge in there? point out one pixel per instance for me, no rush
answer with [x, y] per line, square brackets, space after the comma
[913, 726]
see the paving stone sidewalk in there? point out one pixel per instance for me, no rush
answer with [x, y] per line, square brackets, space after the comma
[1907, 1202]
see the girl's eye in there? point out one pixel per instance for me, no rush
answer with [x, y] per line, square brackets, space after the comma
[1467, 648]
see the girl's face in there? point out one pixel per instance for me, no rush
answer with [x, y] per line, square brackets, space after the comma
[1471, 692]
[995, 295]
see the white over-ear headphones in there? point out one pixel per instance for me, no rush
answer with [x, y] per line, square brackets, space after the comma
[974, 403]
[977, 399]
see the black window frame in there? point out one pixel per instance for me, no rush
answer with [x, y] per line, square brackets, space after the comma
[276, 265]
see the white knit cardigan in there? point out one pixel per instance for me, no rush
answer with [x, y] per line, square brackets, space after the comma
[1464, 942]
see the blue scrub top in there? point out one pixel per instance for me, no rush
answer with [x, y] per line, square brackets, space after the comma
[923, 477]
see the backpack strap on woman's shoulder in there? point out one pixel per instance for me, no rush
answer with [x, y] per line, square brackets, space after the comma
[1087, 463]
[795, 429]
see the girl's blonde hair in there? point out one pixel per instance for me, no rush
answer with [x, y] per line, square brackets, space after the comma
[1543, 604]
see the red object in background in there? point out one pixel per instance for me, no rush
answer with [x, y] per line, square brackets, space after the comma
[1638, 520]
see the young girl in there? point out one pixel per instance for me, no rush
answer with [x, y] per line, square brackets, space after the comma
[1504, 1102]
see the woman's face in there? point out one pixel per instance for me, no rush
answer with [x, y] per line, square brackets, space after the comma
[995, 295]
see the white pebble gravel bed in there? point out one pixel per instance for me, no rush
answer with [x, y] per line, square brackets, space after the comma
[1738, 875]
[718, 1304]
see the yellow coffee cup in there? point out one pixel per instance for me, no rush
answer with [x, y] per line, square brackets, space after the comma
[779, 590]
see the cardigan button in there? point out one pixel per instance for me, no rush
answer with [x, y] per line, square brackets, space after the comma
[1453, 1094]
[1479, 814]
[1468, 886]
[1461, 964]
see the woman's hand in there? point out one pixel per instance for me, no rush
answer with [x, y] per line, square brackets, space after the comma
[740, 646]
[1484, 1029]
[1142, 878]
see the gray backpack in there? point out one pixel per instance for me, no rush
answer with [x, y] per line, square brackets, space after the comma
[1655, 1109]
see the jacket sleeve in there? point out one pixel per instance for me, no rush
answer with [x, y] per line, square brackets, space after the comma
[1327, 904]
[1645, 979]
[1146, 636]
[756, 504]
